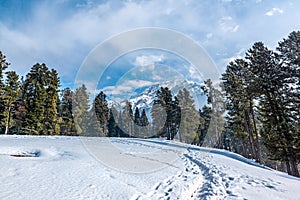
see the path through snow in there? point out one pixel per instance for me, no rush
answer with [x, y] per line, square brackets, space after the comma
[119, 168]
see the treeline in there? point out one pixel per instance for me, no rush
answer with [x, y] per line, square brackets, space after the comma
[170, 116]
[34, 105]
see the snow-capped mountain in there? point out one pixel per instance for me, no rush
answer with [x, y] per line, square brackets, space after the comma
[145, 96]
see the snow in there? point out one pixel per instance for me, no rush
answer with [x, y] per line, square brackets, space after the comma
[40, 167]
[145, 96]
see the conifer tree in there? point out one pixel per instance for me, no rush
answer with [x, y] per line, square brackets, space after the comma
[176, 119]
[216, 100]
[12, 91]
[159, 116]
[50, 121]
[112, 125]
[289, 55]
[240, 95]
[164, 98]
[18, 115]
[3, 66]
[205, 115]
[34, 94]
[101, 111]
[137, 122]
[126, 119]
[144, 125]
[80, 106]
[67, 125]
[190, 119]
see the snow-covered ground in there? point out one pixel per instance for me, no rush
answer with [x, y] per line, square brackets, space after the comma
[118, 168]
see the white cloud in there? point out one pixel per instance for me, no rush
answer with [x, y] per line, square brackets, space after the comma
[274, 11]
[209, 35]
[145, 61]
[227, 24]
[126, 87]
[195, 74]
[137, 83]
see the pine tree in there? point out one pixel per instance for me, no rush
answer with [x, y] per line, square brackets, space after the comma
[34, 95]
[190, 119]
[50, 121]
[205, 115]
[67, 125]
[175, 119]
[159, 116]
[240, 96]
[126, 119]
[18, 115]
[164, 98]
[80, 106]
[101, 111]
[3, 66]
[216, 100]
[12, 91]
[137, 122]
[144, 125]
[112, 125]
[289, 55]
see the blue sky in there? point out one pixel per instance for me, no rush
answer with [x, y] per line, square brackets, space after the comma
[61, 33]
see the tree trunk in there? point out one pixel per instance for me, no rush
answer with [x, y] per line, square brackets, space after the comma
[257, 144]
[294, 168]
[249, 128]
[244, 148]
[7, 124]
[288, 167]
[180, 136]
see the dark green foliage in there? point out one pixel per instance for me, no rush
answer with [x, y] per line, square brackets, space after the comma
[137, 122]
[50, 121]
[189, 118]
[18, 115]
[126, 119]
[99, 115]
[144, 119]
[40, 94]
[3, 66]
[159, 116]
[165, 104]
[67, 125]
[240, 96]
[205, 115]
[80, 106]
[12, 91]
[144, 127]
[215, 99]
[265, 87]
[113, 128]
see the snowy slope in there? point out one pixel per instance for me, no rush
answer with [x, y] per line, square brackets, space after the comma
[118, 168]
